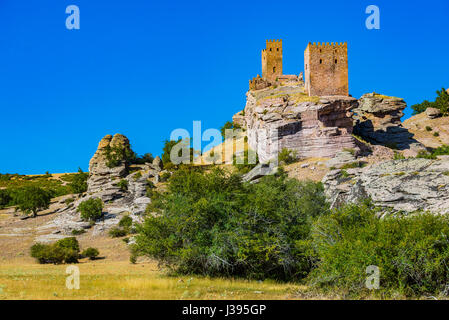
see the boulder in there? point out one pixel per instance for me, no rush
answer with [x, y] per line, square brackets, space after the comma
[377, 119]
[433, 113]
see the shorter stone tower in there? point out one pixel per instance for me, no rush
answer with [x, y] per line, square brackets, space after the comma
[272, 60]
[326, 69]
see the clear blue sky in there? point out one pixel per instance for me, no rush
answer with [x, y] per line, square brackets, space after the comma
[144, 68]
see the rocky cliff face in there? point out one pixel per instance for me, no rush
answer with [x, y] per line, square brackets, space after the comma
[377, 120]
[401, 185]
[286, 117]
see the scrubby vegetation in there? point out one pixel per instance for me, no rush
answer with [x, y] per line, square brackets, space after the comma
[410, 252]
[66, 250]
[211, 223]
[124, 228]
[287, 156]
[91, 209]
[118, 154]
[91, 253]
[441, 103]
[434, 153]
[246, 162]
[229, 126]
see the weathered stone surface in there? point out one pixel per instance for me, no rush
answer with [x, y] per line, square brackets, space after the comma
[287, 118]
[378, 120]
[157, 163]
[433, 113]
[401, 185]
[259, 171]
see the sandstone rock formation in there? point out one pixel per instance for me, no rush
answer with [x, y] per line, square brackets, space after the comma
[285, 117]
[378, 121]
[401, 185]
[433, 113]
[103, 183]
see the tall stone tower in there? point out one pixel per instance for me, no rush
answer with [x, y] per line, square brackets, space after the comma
[326, 69]
[272, 60]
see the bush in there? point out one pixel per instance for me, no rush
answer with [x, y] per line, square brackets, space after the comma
[228, 125]
[79, 182]
[245, 166]
[287, 156]
[214, 224]
[117, 155]
[63, 251]
[126, 222]
[77, 232]
[436, 134]
[440, 151]
[118, 232]
[32, 199]
[91, 253]
[165, 176]
[91, 210]
[441, 103]
[410, 252]
[5, 198]
[123, 184]
[428, 128]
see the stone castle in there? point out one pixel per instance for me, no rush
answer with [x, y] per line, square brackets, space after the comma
[325, 69]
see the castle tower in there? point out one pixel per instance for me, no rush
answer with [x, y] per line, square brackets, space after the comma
[272, 60]
[326, 69]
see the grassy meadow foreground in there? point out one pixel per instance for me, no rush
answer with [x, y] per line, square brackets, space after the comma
[122, 280]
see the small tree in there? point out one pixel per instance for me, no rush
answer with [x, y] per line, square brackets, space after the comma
[441, 103]
[32, 199]
[91, 253]
[5, 198]
[79, 182]
[91, 209]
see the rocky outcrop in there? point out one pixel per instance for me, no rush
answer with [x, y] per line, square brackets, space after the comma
[433, 113]
[378, 121]
[400, 185]
[285, 117]
[100, 173]
[122, 192]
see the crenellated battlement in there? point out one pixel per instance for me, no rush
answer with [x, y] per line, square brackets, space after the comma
[272, 60]
[326, 68]
[327, 44]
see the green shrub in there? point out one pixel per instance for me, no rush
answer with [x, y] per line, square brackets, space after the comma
[242, 163]
[287, 156]
[117, 155]
[214, 224]
[91, 253]
[5, 198]
[410, 252]
[441, 103]
[436, 134]
[356, 164]
[91, 210]
[123, 184]
[31, 199]
[77, 232]
[63, 251]
[440, 151]
[126, 222]
[79, 182]
[137, 176]
[398, 156]
[165, 176]
[428, 128]
[118, 232]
